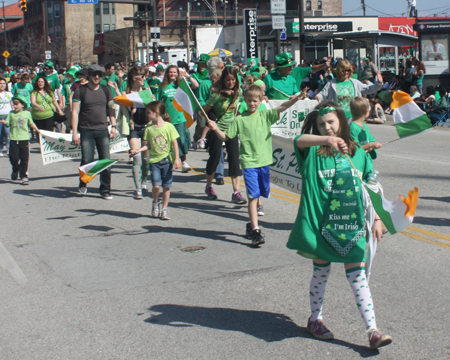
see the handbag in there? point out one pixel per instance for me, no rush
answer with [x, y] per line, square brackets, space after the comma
[59, 118]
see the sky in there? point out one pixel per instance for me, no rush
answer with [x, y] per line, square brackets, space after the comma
[382, 7]
[395, 7]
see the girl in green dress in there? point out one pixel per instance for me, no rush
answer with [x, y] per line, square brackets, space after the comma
[330, 224]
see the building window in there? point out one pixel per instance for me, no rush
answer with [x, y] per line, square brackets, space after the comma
[199, 6]
[50, 13]
[268, 5]
[97, 9]
[308, 5]
[50, 31]
[257, 5]
[113, 9]
[319, 5]
[57, 10]
[105, 9]
[105, 27]
[50, 23]
[181, 8]
[98, 28]
[57, 32]
[113, 26]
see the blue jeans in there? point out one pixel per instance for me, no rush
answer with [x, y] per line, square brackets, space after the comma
[162, 173]
[91, 140]
[4, 133]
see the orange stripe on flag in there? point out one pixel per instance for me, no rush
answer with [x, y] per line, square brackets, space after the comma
[123, 100]
[411, 202]
[187, 116]
[400, 98]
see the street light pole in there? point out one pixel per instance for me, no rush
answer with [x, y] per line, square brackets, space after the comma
[153, 2]
[4, 30]
[301, 30]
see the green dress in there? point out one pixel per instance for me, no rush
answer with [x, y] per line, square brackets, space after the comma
[317, 173]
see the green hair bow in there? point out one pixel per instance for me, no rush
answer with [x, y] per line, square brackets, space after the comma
[325, 110]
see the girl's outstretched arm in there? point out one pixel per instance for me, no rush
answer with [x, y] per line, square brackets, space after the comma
[308, 140]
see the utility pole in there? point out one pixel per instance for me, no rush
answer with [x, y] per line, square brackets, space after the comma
[188, 35]
[153, 3]
[147, 37]
[235, 11]
[301, 30]
[225, 2]
[4, 30]
[363, 2]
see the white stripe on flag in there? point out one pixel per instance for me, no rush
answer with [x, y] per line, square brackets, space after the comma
[407, 112]
[397, 209]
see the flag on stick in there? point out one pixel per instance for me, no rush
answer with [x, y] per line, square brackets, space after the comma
[396, 215]
[408, 118]
[136, 99]
[89, 171]
[186, 102]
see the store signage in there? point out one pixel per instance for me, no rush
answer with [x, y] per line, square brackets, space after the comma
[321, 27]
[278, 7]
[251, 37]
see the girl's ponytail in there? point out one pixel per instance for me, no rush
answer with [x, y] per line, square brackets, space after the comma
[159, 108]
[166, 117]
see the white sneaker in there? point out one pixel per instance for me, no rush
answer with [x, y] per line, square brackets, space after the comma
[155, 211]
[138, 195]
[185, 167]
[144, 187]
[201, 144]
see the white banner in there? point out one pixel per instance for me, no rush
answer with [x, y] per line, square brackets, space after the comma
[291, 121]
[284, 170]
[56, 147]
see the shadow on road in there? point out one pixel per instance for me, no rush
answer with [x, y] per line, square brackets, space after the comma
[263, 325]
[443, 199]
[60, 192]
[431, 221]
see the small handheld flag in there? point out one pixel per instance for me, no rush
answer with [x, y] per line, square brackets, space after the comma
[186, 102]
[136, 99]
[89, 171]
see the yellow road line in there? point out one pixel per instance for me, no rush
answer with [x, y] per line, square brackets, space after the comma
[429, 233]
[419, 237]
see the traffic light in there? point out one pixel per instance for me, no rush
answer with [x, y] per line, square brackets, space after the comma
[23, 5]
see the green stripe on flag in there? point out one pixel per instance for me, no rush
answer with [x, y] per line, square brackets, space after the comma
[415, 126]
[185, 87]
[384, 215]
[146, 96]
[100, 166]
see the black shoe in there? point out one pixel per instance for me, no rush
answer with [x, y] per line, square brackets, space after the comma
[14, 175]
[248, 230]
[220, 181]
[257, 237]
[107, 196]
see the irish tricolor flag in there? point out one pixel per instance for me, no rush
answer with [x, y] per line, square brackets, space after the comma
[408, 118]
[186, 102]
[89, 171]
[396, 215]
[135, 99]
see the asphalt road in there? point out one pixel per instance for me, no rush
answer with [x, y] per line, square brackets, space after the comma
[86, 278]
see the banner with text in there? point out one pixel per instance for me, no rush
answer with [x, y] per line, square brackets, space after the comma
[291, 120]
[251, 37]
[56, 147]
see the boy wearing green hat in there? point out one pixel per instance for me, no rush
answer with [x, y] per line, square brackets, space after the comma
[19, 122]
[279, 83]
[202, 70]
[23, 88]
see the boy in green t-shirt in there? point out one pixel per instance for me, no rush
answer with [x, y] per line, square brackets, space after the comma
[359, 131]
[20, 123]
[254, 129]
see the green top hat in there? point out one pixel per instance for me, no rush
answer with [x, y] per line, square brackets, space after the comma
[284, 60]
[21, 99]
[203, 58]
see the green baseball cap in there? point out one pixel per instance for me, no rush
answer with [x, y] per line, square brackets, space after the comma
[49, 64]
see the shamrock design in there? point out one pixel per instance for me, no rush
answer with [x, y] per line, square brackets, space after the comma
[326, 110]
[353, 216]
[349, 193]
[328, 226]
[340, 181]
[342, 237]
[61, 139]
[335, 204]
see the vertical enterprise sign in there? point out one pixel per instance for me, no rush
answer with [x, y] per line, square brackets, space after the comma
[251, 37]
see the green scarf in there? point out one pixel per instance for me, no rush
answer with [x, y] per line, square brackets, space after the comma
[344, 219]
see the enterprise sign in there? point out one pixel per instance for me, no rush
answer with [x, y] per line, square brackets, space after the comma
[251, 36]
[321, 27]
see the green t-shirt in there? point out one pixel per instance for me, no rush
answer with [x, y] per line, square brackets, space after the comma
[203, 91]
[362, 136]
[66, 92]
[113, 77]
[166, 95]
[354, 76]
[299, 73]
[23, 90]
[286, 84]
[221, 106]
[153, 84]
[317, 173]
[123, 86]
[243, 107]
[255, 136]
[19, 122]
[345, 93]
[53, 80]
[160, 141]
[46, 102]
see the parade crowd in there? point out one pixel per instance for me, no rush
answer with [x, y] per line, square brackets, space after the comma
[335, 150]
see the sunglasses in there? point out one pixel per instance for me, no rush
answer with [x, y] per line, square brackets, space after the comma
[347, 70]
[46, 68]
[97, 74]
[138, 77]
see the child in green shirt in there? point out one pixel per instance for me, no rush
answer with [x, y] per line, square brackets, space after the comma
[359, 131]
[254, 129]
[20, 123]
